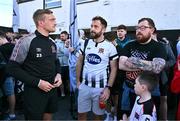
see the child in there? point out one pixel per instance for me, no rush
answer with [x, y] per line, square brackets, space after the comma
[144, 108]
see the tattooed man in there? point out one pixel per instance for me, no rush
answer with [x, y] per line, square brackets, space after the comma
[144, 54]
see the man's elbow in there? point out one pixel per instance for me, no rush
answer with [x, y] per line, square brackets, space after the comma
[122, 61]
[158, 65]
[121, 67]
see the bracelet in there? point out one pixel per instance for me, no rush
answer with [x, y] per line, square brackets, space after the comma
[109, 87]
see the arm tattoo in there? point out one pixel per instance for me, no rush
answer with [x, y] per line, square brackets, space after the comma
[158, 64]
[155, 66]
[141, 64]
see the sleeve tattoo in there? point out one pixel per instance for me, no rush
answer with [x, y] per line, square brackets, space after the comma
[156, 65]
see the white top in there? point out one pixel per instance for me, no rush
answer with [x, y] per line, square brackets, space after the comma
[96, 64]
[145, 111]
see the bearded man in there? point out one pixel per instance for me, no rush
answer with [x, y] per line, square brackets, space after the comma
[99, 55]
[144, 54]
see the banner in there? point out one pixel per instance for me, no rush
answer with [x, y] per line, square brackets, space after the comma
[15, 23]
[74, 41]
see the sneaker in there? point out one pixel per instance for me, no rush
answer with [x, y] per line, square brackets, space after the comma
[62, 95]
[109, 117]
[9, 118]
[115, 118]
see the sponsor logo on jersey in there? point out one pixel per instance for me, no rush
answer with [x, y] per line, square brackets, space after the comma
[93, 59]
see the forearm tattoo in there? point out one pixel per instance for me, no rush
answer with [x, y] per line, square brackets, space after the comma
[141, 64]
[155, 66]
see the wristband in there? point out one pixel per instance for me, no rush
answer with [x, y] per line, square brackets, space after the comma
[109, 87]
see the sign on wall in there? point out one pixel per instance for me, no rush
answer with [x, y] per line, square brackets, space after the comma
[85, 1]
[48, 4]
[22, 1]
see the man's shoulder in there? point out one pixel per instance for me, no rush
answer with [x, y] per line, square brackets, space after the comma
[26, 40]
[27, 37]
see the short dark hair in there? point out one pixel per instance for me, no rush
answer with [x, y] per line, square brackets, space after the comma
[122, 27]
[101, 19]
[39, 15]
[149, 20]
[2, 35]
[150, 79]
[65, 32]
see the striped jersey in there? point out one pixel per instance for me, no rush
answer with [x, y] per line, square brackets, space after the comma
[145, 111]
[97, 58]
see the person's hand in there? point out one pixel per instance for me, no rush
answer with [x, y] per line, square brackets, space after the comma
[78, 83]
[67, 43]
[57, 80]
[105, 94]
[45, 85]
[71, 49]
[125, 118]
[114, 43]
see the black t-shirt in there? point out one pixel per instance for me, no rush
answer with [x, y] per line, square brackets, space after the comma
[34, 58]
[5, 53]
[143, 51]
[6, 50]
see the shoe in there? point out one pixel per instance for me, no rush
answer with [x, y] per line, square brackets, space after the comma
[8, 118]
[115, 118]
[63, 95]
[109, 117]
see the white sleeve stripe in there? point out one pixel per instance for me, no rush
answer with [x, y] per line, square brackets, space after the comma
[114, 57]
[80, 51]
[15, 51]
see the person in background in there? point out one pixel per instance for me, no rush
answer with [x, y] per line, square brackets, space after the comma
[164, 75]
[118, 108]
[34, 61]
[175, 85]
[63, 56]
[74, 53]
[178, 45]
[8, 83]
[82, 37]
[99, 55]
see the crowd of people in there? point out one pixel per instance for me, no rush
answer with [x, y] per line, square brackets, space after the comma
[130, 77]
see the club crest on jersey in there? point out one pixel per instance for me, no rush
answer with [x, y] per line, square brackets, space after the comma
[136, 115]
[93, 59]
[101, 50]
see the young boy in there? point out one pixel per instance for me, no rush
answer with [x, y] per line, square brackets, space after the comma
[144, 108]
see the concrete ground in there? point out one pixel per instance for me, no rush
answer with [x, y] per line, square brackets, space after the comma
[64, 111]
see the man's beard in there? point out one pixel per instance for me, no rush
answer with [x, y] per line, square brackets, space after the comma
[141, 38]
[94, 35]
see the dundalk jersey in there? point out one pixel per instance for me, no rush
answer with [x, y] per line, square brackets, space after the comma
[144, 111]
[96, 62]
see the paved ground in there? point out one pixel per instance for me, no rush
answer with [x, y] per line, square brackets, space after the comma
[64, 112]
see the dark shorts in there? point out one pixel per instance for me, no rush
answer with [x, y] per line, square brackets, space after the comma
[65, 74]
[38, 102]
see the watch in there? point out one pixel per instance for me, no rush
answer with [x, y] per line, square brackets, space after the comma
[109, 87]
